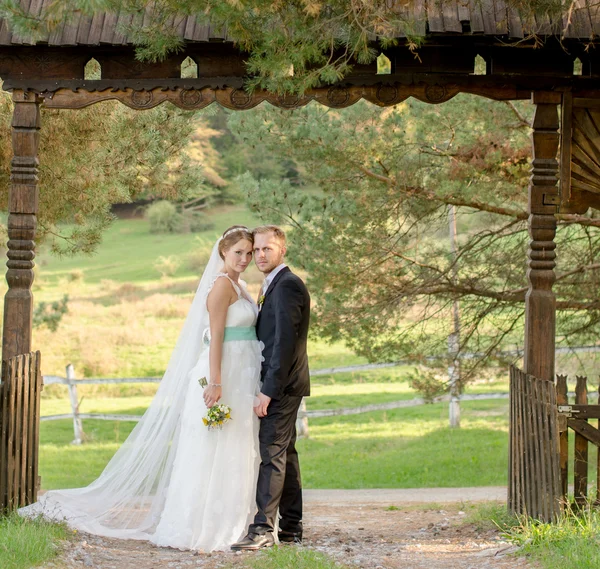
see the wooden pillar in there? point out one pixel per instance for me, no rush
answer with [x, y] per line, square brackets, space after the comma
[540, 303]
[22, 222]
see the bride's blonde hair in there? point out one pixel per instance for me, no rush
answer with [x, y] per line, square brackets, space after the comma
[231, 236]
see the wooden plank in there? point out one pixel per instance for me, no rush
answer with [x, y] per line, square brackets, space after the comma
[83, 30]
[529, 466]
[18, 442]
[544, 482]
[19, 40]
[594, 9]
[123, 22]
[108, 28]
[4, 395]
[434, 16]
[566, 135]
[511, 497]
[562, 399]
[39, 386]
[190, 26]
[584, 172]
[55, 35]
[10, 459]
[463, 12]
[587, 431]
[24, 387]
[521, 457]
[577, 183]
[552, 412]
[95, 30]
[586, 138]
[536, 449]
[419, 17]
[488, 12]
[31, 442]
[580, 464]
[450, 17]
[550, 451]
[585, 411]
[69, 33]
[501, 16]
[36, 420]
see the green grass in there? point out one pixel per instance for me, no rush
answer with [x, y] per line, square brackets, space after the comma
[402, 448]
[129, 251]
[28, 543]
[573, 542]
[292, 558]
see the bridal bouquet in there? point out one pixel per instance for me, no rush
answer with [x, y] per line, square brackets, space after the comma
[217, 416]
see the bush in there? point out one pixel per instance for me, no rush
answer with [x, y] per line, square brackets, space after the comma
[167, 266]
[164, 217]
[196, 222]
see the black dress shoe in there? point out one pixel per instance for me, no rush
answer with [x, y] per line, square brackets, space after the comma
[290, 536]
[254, 541]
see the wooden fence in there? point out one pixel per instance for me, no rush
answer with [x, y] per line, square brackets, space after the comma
[576, 417]
[303, 415]
[19, 430]
[534, 483]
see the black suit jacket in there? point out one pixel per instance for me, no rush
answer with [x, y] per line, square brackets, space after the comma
[283, 328]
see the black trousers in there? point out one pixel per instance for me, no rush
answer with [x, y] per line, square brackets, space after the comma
[279, 484]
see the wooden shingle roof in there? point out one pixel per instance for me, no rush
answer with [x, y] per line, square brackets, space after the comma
[431, 17]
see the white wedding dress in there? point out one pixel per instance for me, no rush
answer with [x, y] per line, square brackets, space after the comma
[211, 498]
[174, 482]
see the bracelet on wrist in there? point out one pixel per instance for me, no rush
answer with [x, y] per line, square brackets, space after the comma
[215, 384]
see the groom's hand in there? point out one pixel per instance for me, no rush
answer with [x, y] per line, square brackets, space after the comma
[263, 404]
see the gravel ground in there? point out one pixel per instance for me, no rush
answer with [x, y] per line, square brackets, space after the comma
[357, 528]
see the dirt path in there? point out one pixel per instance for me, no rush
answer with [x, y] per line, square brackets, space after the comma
[358, 528]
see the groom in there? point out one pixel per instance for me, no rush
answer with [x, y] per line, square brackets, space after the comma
[282, 326]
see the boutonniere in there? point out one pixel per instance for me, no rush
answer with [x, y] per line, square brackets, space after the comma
[261, 300]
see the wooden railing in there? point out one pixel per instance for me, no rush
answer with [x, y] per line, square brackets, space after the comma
[19, 430]
[575, 416]
[534, 483]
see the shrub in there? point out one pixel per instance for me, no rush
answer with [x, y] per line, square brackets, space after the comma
[196, 222]
[163, 217]
[167, 266]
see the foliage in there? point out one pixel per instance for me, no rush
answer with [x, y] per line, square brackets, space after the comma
[91, 158]
[26, 543]
[163, 217]
[292, 46]
[49, 314]
[571, 542]
[427, 383]
[373, 238]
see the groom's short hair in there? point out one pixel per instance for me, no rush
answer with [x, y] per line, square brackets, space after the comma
[277, 231]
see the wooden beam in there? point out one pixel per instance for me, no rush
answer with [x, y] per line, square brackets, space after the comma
[540, 302]
[22, 222]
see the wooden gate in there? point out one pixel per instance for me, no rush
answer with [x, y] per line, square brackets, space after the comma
[576, 418]
[19, 430]
[534, 474]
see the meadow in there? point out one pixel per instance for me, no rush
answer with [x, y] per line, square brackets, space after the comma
[126, 307]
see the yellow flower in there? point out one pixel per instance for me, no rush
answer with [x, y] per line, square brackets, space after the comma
[261, 300]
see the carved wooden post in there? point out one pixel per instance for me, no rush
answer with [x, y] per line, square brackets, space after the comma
[22, 222]
[540, 303]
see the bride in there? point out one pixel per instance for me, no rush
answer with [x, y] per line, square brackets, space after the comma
[175, 482]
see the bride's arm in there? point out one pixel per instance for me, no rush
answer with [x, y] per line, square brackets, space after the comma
[218, 302]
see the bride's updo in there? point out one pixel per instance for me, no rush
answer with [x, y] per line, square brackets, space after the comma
[231, 236]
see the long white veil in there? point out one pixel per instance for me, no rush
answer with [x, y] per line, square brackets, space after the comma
[126, 500]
